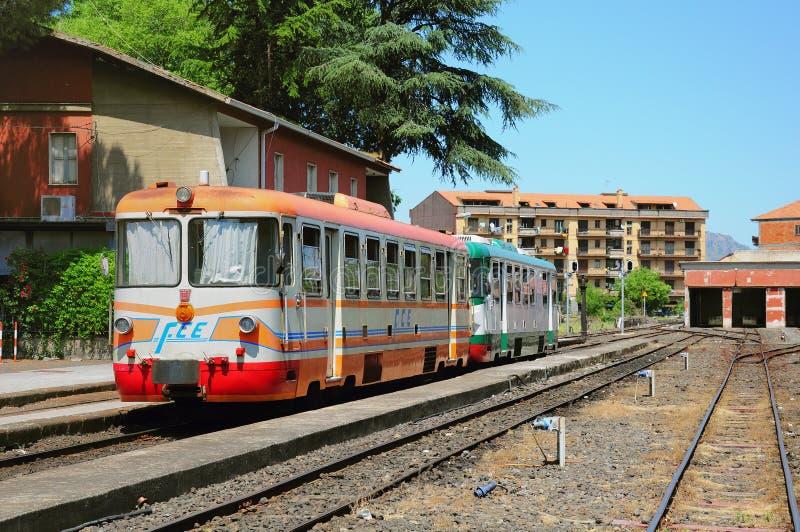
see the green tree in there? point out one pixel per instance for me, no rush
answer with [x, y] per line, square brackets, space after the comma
[387, 77]
[597, 301]
[24, 21]
[642, 280]
[168, 33]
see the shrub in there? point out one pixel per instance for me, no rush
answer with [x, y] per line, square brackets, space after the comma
[59, 294]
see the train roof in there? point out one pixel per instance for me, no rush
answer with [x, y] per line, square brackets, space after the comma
[231, 199]
[480, 250]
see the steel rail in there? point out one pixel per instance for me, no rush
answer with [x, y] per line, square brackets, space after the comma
[661, 511]
[787, 473]
[81, 447]
[231, 506]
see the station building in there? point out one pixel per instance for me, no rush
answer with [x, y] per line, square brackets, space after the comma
[750, 288]
[82, 124]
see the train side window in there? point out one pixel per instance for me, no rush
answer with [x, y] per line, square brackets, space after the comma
[440, 276]
[373, 268]
[509, 283]
[288, 254]
[496, 281]
[533, 287]
[517, 286]
[392, 270]
[410, 272]
[425, 273]
[352, 288]
[312, 261]
[461, 278]
[525, 292]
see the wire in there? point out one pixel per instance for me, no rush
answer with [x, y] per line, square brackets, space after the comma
[130, 46]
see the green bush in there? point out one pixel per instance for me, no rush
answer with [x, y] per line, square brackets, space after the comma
[58, 295]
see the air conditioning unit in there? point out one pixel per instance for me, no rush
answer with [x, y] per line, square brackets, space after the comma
[58, 208]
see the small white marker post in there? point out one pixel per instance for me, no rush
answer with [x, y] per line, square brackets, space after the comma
[557, 424]
[651, 375]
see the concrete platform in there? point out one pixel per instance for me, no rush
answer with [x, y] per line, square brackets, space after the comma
[49, 500]
[31, 381]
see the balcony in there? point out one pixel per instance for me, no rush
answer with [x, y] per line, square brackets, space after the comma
[592, 252]
[672, 274]
[615, 252]
[670, 235]
[529, 231]
[615, 231]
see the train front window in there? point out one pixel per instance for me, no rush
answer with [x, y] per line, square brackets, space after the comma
[233, 251]
[149, 253]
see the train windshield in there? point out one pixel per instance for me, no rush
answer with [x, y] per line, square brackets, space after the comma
[148, 253]
[233, 252]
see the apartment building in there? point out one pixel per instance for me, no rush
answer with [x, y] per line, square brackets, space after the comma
[599, 231]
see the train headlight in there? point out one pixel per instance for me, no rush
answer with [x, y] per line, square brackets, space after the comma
[123, 325]
[184, 194]
[247, 324]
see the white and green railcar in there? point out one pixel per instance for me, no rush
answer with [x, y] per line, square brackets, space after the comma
[512, 301]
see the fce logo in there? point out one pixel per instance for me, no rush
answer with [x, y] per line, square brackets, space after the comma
[188, 331]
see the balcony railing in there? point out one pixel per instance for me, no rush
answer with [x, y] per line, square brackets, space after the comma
[529, 230]
[615, 231]
[615, 252]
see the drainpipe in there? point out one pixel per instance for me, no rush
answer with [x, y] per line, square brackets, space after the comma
[264, 134]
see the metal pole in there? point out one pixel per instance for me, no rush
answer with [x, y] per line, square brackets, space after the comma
[568, 275]
[622, 319]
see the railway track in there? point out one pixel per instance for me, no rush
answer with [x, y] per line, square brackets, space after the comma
[735, 472]
[310, 497]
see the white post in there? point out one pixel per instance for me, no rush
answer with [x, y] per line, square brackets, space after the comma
[622, 318]
[567, 276]
[562, 442]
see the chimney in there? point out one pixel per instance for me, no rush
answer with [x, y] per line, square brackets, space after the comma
[619, 198]
[515, 196]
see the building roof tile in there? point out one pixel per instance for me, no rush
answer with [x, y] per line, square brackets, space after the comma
[790, 211]
[571, 201]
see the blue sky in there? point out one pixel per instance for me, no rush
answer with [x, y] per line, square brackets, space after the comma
[690, 98]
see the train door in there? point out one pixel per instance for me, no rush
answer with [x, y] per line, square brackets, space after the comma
[493, 300]
[445, 272]
[289, 290]
[333, 321]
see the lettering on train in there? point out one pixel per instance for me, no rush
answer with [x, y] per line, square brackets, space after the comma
[186, 332]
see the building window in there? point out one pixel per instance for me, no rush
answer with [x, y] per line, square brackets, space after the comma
[597, 244]
[354, 187]
[509, 225]
[597, 224]
[494, 225]
[63, 158]
[597, 283]
[645, 264]
[597, 264]
[333, 182]
[311, 178]
[472, 225]
[278, 170]
[560, 227]
[797, 230]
